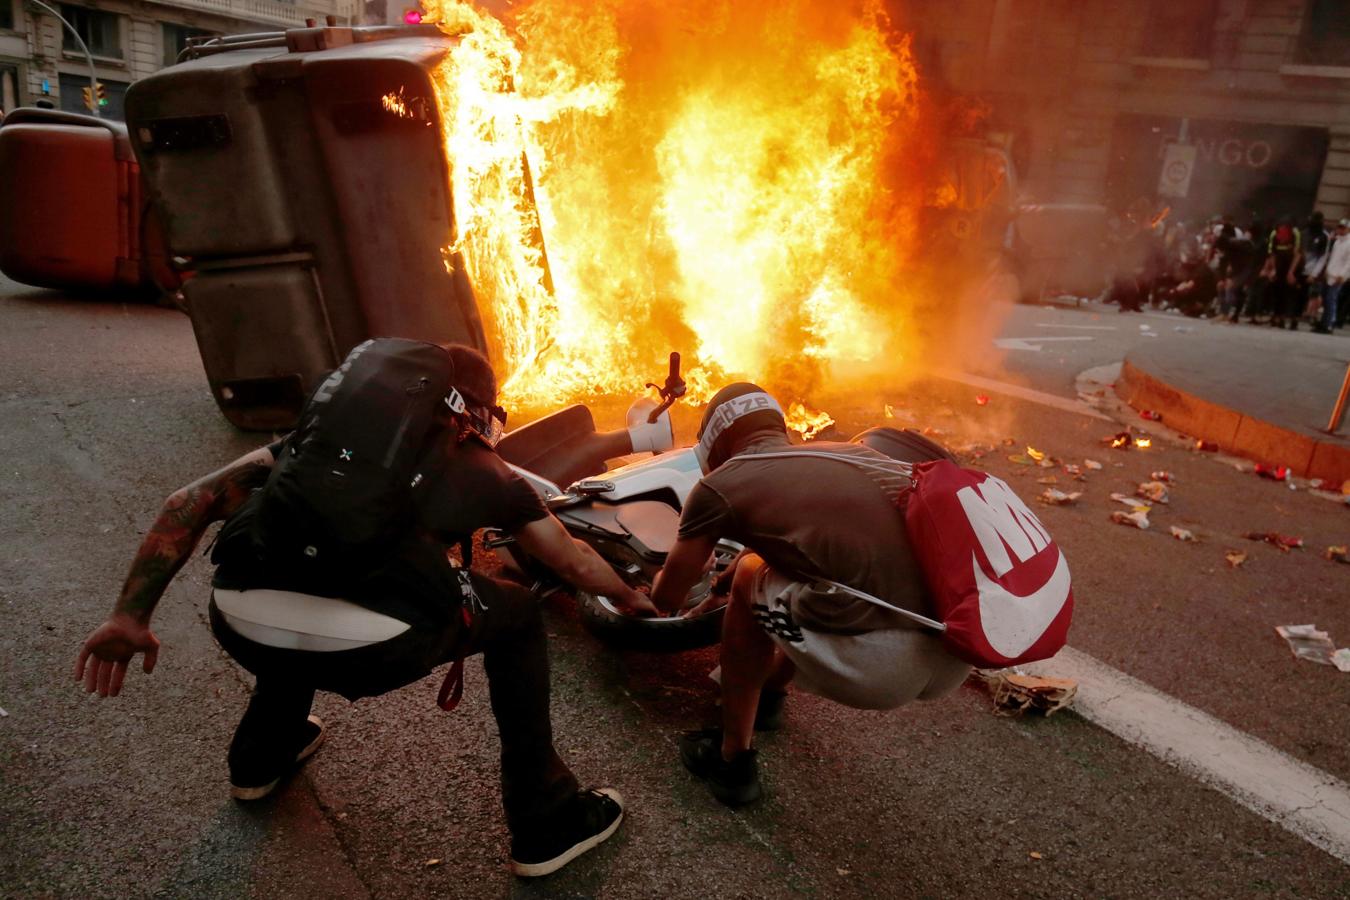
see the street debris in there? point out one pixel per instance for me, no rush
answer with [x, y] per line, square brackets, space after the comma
[1337, 553]
[1055, 497]
[981, 399]
[1092, 464]
[1274, 473]
[1015, 693]
[1021, 459]
[432, 863]
[1049, 479]
[1036, 854]
[1182, 534]
[3, 713]
[1143, 443]
[1118, 441]
[1150, 415]
[1152, 490]
[1341, 659]
[1308, 642]
[1131, 502]
[1207, 446]
[1035, 454]
[1075, 471]
[1137, 519]
[1163, 476]
[1235, 558]
[1275, 539]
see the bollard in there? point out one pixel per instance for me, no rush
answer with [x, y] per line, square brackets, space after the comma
[1338, 414]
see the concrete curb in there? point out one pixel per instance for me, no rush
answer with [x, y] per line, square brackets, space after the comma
[1233, 431]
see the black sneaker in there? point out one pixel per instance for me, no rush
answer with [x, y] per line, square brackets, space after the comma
[769, 713]
[586, 822]
[735, 783]
[255, 782]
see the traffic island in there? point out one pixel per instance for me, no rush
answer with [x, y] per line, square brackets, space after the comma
[1265, 396]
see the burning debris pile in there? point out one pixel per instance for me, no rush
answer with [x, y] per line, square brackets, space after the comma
[735, 180]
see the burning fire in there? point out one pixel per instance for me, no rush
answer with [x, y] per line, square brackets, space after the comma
[723, 178]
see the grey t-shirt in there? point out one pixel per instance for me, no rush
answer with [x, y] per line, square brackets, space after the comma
[815, 518]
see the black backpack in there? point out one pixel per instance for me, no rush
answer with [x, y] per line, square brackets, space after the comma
[341, 496]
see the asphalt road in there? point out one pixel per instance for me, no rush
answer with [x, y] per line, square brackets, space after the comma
[105, 410]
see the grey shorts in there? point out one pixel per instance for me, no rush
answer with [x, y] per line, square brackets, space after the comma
[876, 670]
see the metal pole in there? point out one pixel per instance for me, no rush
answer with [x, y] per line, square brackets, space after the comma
[93, 76]
[1338, 414]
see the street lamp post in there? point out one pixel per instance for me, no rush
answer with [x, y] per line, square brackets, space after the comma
[93, 76]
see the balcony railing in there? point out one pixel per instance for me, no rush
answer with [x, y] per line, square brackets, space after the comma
[269, 11]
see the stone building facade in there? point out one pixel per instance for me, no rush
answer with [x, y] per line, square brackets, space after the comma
[129, 39]
[1210, 106]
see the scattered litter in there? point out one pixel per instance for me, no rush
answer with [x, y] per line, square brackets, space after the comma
[1315, 483]
[1049, 479]
[842, 871]
[981, 399]
[1308, 642]
[1275, 539]
[1145, 328]
[432, 863]
[3, 713]
[1035, 854]
[1182, 534]
[1341, 659]
[1235, 558]
[1054, 497]
[1132, 502]
[1021, 459]
[1152, 490]
[1337, 553]
[1014, 693]
[1163, 476]
[1137, 519]
[1092, 464]
[1274, 473]
[1143, 443]
[1184, 329]
[1035, 454]
[1207, 446]
[1151, 415]
[1071, 469]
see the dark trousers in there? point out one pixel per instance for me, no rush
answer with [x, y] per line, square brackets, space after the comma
[507, 629]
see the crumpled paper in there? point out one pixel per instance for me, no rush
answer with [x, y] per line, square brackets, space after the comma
[1309, 642]
[1137, 519]
[1015, 693]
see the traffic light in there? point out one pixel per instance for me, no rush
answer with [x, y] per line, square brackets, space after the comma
[88, 99]
[102, 94]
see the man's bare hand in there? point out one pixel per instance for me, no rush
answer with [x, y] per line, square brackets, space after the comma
[711, 603]
[111, 646]
[637, 603]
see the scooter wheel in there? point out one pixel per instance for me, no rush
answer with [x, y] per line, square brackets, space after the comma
[650, 635]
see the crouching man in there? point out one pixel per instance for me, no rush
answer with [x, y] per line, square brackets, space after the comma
[333, 575]
[801, 519]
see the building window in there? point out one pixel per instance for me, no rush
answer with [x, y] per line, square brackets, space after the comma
[1326, 34]
[10, 98]
[102, 31]
[1179, 30]
[176, 38]
[7, 15]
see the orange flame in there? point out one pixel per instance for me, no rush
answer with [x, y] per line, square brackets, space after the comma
[712, 176]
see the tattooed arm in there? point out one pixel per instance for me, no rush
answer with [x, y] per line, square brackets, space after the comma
[181, 523]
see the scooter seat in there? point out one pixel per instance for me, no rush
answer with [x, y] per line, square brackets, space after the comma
[294, 621]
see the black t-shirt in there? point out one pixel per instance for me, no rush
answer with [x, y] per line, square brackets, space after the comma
[474, 488]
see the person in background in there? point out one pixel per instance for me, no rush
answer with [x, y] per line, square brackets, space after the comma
[1284, 249]
[1237, 269]
[1312, 278]
[1337, 272]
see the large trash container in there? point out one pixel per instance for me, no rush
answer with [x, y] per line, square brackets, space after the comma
[71, 208]
[312, 215]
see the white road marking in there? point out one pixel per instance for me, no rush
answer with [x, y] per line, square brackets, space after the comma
[1012, 343]
[1080, 327]
[1294, 795]
[1022, 393]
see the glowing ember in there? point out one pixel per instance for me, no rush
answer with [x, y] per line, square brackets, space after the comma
[1143, 443]
[890, 411]
[725, 179]
[394, 103]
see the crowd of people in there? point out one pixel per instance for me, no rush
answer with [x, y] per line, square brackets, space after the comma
[1274, 273]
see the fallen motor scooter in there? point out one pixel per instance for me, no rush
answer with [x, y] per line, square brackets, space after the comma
[630, 515]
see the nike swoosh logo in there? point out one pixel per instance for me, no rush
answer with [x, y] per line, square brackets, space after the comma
[1012, 623]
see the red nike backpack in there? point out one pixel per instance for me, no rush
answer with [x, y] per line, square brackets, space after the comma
[999, 582]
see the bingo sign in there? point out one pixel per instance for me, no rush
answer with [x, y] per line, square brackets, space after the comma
[1177, 167]
[1238, 168]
